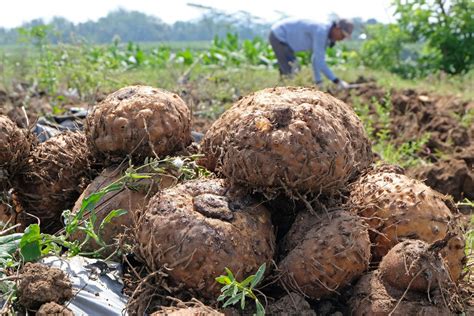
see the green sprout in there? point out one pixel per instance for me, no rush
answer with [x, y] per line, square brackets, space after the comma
[236, 291]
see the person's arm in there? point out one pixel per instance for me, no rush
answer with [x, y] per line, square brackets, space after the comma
[318, 59]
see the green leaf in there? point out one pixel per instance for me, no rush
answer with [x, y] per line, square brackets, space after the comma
[231, 301]
[258, 276]
[230, 274]
[9, 244]
[221, 297]
[235, 290]
[89, 203]
[242, 300]
[226, 287]
[223, 279]
[247, 280]
[30, 246]
[138, 176]
[92, 234]
[92, 219]
[260, 308]
[229, 291]
[110, 216]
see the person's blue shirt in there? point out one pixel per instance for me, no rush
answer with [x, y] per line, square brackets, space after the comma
[307, 35]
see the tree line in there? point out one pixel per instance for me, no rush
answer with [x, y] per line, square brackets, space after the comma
[139, 27]
[136, 26]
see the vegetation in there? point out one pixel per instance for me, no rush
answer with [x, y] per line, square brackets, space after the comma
[446, 27]
[236, 291]
[378, 127]
[440, 31]
[140, 27]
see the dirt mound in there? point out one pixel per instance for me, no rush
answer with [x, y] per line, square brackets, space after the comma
[35, 103]
[138, 121]
[53, 308]
[454, 176]
[57, 172]
[412, 115]
[415, 114]
[197, 229]
[40, 284]
[289, 139]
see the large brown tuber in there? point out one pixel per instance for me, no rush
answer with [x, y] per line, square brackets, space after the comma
[371, 296]
[288, 139]
[413, 265]
[328, 257]
[132, 197]
[56, 173]
[15, 146]
[454, 256]
[138, 122]
[197, 229]
[397, 207]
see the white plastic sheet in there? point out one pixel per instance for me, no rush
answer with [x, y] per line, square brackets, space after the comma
[97, 285]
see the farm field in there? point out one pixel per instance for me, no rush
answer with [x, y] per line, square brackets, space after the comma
[221, 187]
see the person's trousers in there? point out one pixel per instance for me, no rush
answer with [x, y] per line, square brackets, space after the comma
[284, 54]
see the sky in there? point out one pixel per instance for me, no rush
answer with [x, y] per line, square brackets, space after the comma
[16, 12]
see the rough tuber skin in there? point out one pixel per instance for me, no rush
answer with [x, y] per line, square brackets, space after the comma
[55, 175]
[197, 229]
[412, 265]
[397, 207]
[371, 296]
[138, 122]
[14, 149]
[330, 256]
[132, 198]
[288, 139]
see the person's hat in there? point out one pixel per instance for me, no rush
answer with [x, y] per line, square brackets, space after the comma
[346, 27]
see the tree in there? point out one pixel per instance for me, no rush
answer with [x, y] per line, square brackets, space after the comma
[446, 26]
[384, 47]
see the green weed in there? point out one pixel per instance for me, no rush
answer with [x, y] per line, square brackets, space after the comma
[470, 231]
[467, 119]
[235, 291]
[470, 237]
[377, 123]
[45, 65]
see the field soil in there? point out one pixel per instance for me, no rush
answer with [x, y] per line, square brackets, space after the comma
[449, 152]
